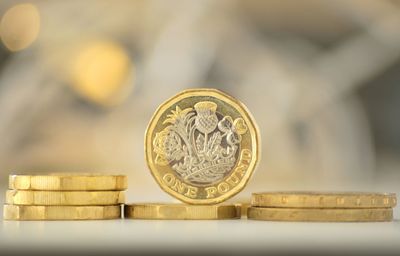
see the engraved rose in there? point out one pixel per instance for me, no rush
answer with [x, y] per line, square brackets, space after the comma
[168, 147]
[159, 147]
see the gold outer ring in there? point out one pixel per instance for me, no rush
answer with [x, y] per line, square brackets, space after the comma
[68, 182]
[324, 200]
[181, 212]
[320, 215]
[34, 197]
[201, 197]
[29, 212]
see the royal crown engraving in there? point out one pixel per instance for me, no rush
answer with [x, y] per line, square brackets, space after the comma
[200, 144]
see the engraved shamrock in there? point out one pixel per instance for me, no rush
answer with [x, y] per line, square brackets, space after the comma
[233, 129]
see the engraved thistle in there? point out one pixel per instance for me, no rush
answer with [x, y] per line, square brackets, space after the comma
[200, 145]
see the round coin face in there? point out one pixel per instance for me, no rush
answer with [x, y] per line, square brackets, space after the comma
[202, 146]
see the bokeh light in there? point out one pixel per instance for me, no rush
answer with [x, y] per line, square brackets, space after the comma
[80, 80]
[20, 26]
[102, 72]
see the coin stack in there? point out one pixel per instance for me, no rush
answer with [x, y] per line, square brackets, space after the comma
[65, 197]
[322, 207]
[201, 146]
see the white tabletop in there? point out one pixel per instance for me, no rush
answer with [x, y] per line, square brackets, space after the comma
[227, 235]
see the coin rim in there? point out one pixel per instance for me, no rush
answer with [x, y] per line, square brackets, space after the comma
[306, 214]
[23, 208]
[241, 108]
[202, 210]
[50, 194]
[316, 195]
[118, 186]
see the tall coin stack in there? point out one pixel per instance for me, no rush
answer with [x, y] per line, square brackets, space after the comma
[322, 206]
[65, 197]
[202, 147]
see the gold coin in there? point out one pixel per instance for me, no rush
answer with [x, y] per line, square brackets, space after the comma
[68, 181]
[321, 215]
[202, 146]
[324, 200]
[34, 197]
[181, 212]
[244, 207]
[30, 212]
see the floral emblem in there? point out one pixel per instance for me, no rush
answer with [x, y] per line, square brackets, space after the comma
[200, 145]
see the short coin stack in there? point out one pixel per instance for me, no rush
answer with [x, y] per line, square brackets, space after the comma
[65, 197]
[322, 207]
[201, 146]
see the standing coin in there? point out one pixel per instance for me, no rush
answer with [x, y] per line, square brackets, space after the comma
[202, 146]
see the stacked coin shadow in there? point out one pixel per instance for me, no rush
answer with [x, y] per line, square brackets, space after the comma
[65, 197]
[322, 207]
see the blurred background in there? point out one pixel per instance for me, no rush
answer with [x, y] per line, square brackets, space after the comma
[79, 81]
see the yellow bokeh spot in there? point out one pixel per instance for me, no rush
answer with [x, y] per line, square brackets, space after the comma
[101, 72]
[19, 26]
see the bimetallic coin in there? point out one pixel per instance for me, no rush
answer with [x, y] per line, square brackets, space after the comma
[324, 200]
[321, 215]
[29, 212]
[181, 212]
[202, 146]
[68, 181]
[34, 197]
